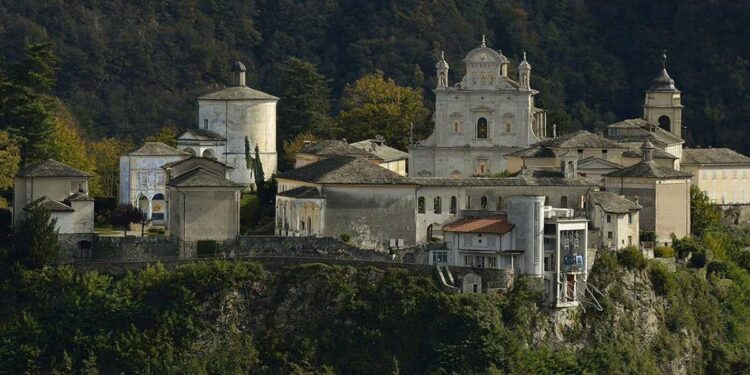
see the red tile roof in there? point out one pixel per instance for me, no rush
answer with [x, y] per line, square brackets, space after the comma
[493, 224]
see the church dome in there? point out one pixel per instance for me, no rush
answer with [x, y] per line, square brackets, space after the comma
[238, 66]
[483, 54]
[663, 82]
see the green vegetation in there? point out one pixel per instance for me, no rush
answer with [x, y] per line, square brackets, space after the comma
[35, 242]
[664, 252]
[125, 214]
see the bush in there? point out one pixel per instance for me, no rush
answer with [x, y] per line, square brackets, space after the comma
[647, 236]
[664, 252]
[346, 237]
[718, 268]
[35, 242]
[631, 257]
[662, 279]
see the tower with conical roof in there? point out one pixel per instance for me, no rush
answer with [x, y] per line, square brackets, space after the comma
[663, 102]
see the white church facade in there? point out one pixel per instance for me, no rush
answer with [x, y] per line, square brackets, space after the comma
[480, 119]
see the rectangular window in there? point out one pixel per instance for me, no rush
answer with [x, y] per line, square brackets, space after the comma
[604, 154]
[492, 261]
[609, 235]
[439, 257]
[630, 218]
[205, 123]
[630, 240]
[453, 207]
[468, 202]
[467, 261]
[479, 262]
[609, 218]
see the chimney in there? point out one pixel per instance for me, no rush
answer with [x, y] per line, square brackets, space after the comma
[647, 151]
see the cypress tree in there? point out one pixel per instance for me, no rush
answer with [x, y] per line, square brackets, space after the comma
[259, 175]
[35, 241]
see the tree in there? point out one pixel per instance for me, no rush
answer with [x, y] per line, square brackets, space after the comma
[306, 101]
[166, 135]
[703, 213]
[374, 105]
[26, 104]
[10, 157]
[68, 145]
[106, 155]
[259, 175]
[124, 215]
[35, 241]
[292, 147]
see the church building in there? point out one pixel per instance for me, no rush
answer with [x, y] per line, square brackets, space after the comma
[231, 123]
[480, 119]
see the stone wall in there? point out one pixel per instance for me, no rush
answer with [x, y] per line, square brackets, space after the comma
[134, 249]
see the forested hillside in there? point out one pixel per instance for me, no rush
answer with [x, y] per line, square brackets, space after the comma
[128, 68]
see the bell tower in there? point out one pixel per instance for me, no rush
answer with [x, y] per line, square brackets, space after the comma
[663, 102]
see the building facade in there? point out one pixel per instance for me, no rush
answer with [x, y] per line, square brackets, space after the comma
[480, 119]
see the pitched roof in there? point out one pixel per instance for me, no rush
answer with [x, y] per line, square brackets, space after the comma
[648, 130]
[613, 203]
[658, 154]
[334, 148]
[301, 192]
[713, 156]
[198, 159]
[493, 224]
[380, 150]
[51, 168]
[533, 152]
[49, 205]
[580, 139]
[648, 170]
[157, 149]
[594, 160]
[200, 177]
[345, 170]
[238, 93]
[201, 135]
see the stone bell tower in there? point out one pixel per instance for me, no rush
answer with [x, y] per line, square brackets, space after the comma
[663, 102]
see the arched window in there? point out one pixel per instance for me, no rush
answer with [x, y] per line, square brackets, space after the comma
[500, 203]
[483, 202]
[482, 130]
[420, 205]
[454, 205]
[437, 205]
[209, 153]
[665, 123]
[564, 202]
[158, 197]
[190, 151]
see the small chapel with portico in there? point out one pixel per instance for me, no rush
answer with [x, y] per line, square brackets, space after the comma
[480, 119]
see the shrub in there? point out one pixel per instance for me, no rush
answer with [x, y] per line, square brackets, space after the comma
[718, 268]
[664, 252]
[125, 214]
[631, 257]
[35, 242]
[346, 237]
[662, 279]
[647, 236]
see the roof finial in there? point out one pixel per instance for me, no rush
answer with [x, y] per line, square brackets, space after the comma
[484, 42]
[524, 55]
[442, 55]
[664, 59]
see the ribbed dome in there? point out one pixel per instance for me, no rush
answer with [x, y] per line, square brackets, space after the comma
[663, 82]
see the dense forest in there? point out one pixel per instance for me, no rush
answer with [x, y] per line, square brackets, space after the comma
[128, 68]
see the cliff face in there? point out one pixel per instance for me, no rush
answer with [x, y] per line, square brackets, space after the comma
[238, 318]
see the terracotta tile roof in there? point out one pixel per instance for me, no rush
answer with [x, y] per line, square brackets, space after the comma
[493, 224]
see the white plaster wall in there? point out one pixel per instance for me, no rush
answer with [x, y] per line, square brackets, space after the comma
[723, 184]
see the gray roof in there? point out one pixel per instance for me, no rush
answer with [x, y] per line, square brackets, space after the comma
[716, 156]
[238, 66]
[534, 152]
[238, 93]
[658, 154]
[580, 139]
[345, 170]
[334, 148]
[648, 170]
[613, 203]
[157, 149]
[201, 135]
[648, 130]
[49, 205]
[197, 159]
[51, 168]
[77, 197]
[594, 159]
[663, 82]
[380, 150]
[200, 177]
[302, 192]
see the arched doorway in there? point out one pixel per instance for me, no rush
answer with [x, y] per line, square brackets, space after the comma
[145, 206]
[158, 207]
